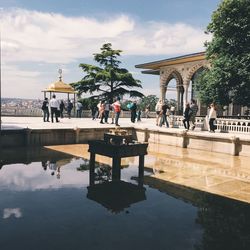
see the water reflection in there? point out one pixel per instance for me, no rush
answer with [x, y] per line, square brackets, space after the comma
[225, 222]
[107, 188]
[39, 168]
[157, 214]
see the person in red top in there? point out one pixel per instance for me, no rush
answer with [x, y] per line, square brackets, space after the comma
[117, 108]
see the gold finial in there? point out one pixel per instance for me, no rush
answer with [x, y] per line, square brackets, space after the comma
[60, 74]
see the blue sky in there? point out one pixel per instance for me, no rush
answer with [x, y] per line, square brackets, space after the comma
[38, 37]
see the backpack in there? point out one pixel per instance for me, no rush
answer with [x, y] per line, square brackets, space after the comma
[44, 106]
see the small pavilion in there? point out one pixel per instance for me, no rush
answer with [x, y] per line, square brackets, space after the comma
[60, 87]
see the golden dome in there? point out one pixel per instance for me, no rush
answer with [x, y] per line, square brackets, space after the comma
[60, 87]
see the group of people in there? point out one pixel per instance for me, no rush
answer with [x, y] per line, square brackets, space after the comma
[55, 108]
[52, 166]
[107, 109]
[164, 114]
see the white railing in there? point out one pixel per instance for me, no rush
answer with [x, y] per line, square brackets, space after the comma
[223, 124]
[233, 125]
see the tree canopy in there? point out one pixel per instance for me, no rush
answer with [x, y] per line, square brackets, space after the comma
[228, 79]
[107, 80]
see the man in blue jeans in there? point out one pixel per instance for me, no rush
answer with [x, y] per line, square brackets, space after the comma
[163, 120]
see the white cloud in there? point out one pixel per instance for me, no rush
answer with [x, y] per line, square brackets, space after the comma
[54, 38]
[8, 212]
[33, 37]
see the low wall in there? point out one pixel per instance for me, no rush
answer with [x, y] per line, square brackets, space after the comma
[213, 143]
[46, 137]
[208, 142]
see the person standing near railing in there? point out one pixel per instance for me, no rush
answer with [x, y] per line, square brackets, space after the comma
[163, 113]
[211, 117]
[54, 108]
[194, 109]
[62, 107]
[117, 108]
[187, 114]
[45, 108]
[158, 111]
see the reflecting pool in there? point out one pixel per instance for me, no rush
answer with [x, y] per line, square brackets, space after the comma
[46, 203]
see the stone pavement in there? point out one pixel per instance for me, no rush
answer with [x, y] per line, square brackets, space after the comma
[10, 122]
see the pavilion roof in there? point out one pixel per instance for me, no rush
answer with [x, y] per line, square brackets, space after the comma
[156, 65]
[60, 87]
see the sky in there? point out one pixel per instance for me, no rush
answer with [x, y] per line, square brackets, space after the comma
[39, 37]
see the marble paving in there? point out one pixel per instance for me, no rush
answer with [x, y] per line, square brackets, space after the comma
[215, 173]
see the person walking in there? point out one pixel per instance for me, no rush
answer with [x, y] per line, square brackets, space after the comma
[147, 110]
[102, 111]
[138, 115]
[187, 114]
[106, 111]
[158, 107]
[133, 109]
[54, 108]
[194, 109]
[93, 109]
[69, 108]
[78, 109]
[112, 113]
[163, 113]
[45, 109]
[211, 117]
[117, 108]
[62, 107]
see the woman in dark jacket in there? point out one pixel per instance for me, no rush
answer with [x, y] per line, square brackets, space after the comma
[187, 114]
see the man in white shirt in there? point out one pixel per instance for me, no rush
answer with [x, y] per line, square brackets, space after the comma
[54, 107]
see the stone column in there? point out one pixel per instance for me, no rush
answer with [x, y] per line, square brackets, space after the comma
[163, 92]
[185, 95]
[178, 100]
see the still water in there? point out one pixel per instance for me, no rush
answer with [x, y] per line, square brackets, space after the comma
[46, 203]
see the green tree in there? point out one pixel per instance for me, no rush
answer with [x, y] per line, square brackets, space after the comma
[107, 80]
[150, 101]
[228, 79]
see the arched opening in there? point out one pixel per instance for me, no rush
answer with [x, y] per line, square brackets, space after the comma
[175, 90]
[193, 93]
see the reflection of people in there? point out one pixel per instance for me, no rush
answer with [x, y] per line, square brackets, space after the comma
[44, 165]
[58, 172]
[52, 166]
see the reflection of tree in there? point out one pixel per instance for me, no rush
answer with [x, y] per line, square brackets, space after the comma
[102, 170]
[226, 223]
